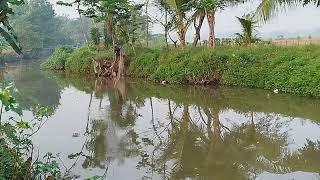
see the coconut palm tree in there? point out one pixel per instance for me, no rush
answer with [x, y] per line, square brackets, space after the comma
[248, 25]
[208, 8]
[211, 8]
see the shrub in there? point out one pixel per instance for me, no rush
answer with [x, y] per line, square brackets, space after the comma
[57, 60]
[288, 69]
[103, 55]
[80, 61]
[144, 63]
[76, 61]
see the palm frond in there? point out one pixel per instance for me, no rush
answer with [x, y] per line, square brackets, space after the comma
[269, 8]
[315, 2]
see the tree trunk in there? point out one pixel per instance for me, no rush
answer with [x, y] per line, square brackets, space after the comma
[147, 23]
[108, 26]
[181, 32]
[81, 24]
[166, 28]
[211, 23]
[198, 29]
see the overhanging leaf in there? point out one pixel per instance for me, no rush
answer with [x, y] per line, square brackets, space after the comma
[10, 40]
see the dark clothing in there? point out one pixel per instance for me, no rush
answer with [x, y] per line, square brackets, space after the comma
[117, 50]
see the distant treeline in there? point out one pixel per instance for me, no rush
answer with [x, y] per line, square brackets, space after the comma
[38, 27]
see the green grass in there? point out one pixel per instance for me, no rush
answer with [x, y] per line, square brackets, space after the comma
[289, 69]
[177, 65]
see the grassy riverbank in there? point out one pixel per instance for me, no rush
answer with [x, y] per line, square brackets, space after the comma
[289, 69]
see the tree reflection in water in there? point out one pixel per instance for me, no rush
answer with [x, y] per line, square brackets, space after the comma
[110, 136]
[191, 141]
[33, 88]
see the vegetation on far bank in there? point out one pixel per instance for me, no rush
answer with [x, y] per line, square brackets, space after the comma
[288, 69]
[77, 61]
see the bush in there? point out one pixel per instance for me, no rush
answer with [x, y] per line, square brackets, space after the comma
[103, 55]
[76, 61]
[57, 60]
[80, 61]
[144, 63]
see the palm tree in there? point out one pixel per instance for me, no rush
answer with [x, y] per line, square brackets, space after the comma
[178, 10]
[269, 8]
[248, 25]
[210, 8]
[198, 17]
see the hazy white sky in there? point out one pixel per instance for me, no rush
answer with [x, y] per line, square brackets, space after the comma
[294, 21]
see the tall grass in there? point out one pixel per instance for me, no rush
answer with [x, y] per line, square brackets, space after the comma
[288, 69]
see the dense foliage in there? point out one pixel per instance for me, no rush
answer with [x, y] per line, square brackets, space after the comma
[122, 20]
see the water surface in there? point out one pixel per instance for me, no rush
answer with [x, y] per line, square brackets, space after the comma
[133, 129]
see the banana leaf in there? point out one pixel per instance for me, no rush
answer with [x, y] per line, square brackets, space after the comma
[11, 40]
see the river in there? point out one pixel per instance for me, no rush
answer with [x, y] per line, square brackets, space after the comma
[140, 130]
